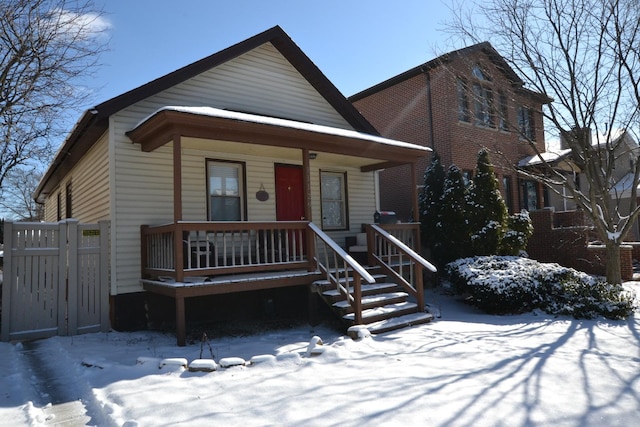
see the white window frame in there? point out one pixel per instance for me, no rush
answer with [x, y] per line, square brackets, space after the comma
[226, 189]
[343, 222]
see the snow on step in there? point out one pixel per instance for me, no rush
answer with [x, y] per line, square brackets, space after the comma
[382, 311]
[399, 322]
[372, 287]
[325, 282]
[373, 299]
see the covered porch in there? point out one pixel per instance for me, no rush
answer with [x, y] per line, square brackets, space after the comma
[186, 258]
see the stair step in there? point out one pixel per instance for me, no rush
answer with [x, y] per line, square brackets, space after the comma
[399, 322]
[325, 282]
[373, 301]
[384, 312]
[334, 295]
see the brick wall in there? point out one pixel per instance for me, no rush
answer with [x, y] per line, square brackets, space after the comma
[423, 106]
[569, 245]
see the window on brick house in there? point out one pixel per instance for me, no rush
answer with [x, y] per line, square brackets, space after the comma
[464, 115]
[526, 123]
[479, 73]
[503, 120]
[508, 198]
[529, 195]
[483, 105]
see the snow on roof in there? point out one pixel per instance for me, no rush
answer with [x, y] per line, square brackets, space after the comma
[623, 186]
[545, 157]
[292, 124]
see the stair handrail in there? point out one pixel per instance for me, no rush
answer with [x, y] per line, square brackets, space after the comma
[406, 249]
[417, 289]
[349, 265]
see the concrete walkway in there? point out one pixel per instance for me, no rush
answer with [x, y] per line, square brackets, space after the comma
[57, 390]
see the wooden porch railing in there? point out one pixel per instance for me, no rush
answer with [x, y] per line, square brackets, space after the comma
[340, 269]
[185, 249]
[388, 250]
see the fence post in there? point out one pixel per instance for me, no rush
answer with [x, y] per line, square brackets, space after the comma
[62, 278]
[104, 275]
[72, 276]
[7, 280]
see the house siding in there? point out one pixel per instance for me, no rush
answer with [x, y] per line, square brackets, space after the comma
[261, 82]
[89, 188]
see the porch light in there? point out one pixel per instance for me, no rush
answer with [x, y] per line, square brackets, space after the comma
[313, 156]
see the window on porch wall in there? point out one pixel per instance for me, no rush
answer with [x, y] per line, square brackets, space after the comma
[226, 191]
[334, 205]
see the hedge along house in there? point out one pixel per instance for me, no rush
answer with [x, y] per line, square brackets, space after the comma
[238, 163]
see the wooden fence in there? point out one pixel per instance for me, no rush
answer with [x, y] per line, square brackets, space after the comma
[55, 279]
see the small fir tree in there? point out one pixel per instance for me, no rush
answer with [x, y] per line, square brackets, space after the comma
[519, 230]
[486, 210]
[451, 231]
[429, 200]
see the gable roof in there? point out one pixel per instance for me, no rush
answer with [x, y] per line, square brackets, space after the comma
[484, 47]
[95, 121]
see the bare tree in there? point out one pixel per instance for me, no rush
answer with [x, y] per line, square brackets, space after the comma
[46, 48]
[16, 197]
[585, 55]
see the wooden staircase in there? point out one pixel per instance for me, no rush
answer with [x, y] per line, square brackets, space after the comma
[385, 307]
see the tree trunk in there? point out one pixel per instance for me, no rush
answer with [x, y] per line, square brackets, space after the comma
[614, 274]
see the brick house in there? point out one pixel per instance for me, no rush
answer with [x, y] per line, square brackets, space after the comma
[456, 104]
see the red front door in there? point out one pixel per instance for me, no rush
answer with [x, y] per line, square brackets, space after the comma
[289, 193]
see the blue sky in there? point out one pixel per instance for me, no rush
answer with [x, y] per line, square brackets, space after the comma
[356, 44]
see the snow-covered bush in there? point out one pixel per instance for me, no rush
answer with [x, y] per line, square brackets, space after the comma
[510, 284]
[519, 231]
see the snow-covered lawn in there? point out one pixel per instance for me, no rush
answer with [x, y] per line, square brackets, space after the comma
[463, 369]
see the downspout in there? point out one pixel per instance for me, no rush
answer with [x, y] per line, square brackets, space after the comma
[430, 107]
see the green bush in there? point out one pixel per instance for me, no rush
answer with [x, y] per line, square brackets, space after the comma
[519, 231]
[508, 284]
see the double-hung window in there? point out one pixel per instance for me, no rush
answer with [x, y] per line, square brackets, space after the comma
[526, 123]
[333, 192]
[464, 115]
[225, 181]
[483, 105]
[504, 111]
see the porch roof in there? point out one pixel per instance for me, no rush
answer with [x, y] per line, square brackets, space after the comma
[560, 160]
[212, 123]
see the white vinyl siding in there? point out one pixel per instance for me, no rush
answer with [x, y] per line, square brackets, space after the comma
[90, 188]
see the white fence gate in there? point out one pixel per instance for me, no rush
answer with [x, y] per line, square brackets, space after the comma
[55, 279]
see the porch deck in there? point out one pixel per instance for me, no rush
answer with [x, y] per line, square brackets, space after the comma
[186, 260]
[198, 286]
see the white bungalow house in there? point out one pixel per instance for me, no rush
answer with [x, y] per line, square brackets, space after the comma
[243, 171]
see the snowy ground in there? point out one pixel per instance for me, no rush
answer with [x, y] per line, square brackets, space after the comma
[464, 369]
